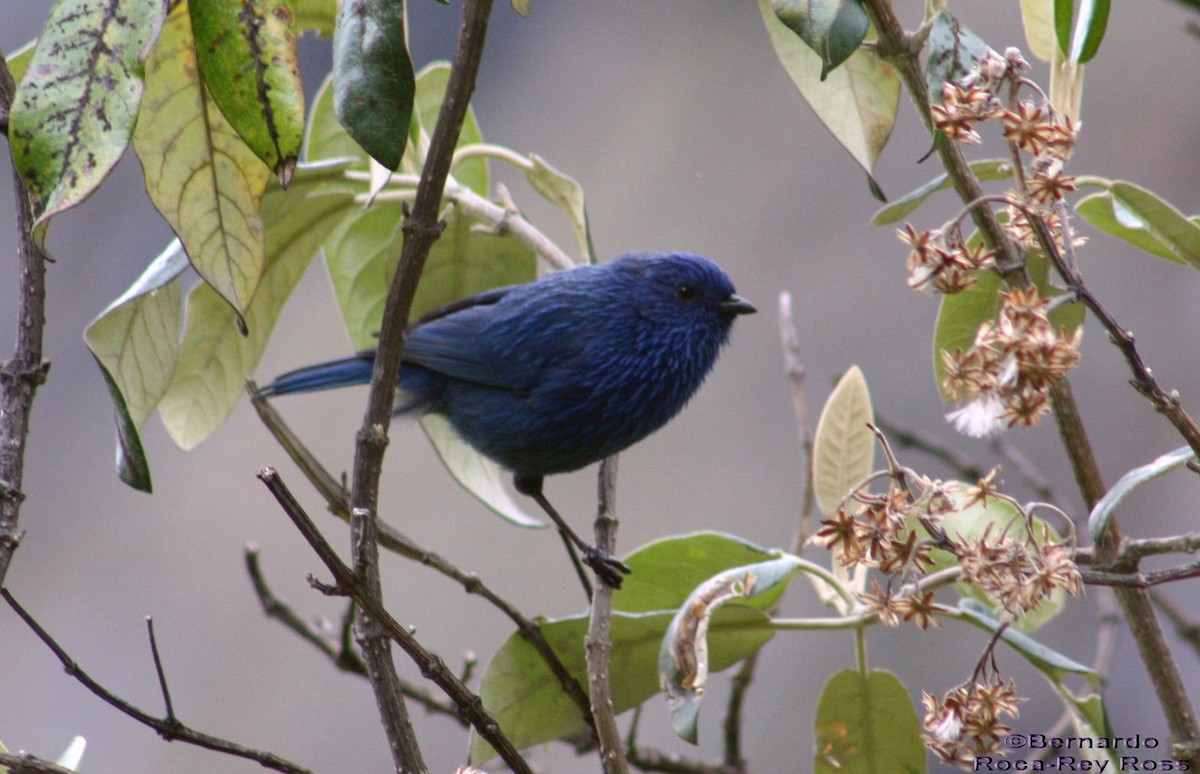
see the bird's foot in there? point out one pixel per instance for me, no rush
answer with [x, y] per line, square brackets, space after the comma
[608, 568]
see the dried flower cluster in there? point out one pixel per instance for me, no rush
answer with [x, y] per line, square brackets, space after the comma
[942, 260]
[1016, 560]
[1007, 373]
[965, 723]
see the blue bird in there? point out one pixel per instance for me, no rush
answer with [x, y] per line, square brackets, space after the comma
[556, 374]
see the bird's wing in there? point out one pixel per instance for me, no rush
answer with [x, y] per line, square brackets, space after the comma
[450, 341]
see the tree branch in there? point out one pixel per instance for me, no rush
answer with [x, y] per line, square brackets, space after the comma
[21, 376]
[350, 584]
[168, 727]
[421, 230]
[338, 501]
[598, 642]
[338, 648]
[24, 763]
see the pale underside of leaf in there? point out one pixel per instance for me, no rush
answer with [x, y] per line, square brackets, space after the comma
[857, 102]
[843, 445]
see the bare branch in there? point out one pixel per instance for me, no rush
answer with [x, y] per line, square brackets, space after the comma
[338, 502]
[21, 376]
[348, 583]
[169, 727]
[421, 230]
[24, 763]
[598, 642]
[339, 649]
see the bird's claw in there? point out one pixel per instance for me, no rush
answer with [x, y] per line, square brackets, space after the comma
[608, 568]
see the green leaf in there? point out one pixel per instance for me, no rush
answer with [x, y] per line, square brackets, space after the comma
[525, 697]
[1064, 11]
[479, 475]
[1054, 665]
[959, 317]
[667, 571]
[522, 7]
[1037, 16]
[866, 724]
[834, 29]
[683, 658]
[953, 51]
[316, 15]
[565, 193]
[1140, 217]
[18, 62]
[362, 253]
[971, 524]
[325, 137]
[200, 175]
[431, 91]
[898, 210]
[857, 102]
[136, 344]
[75, 108]
[247, 53]
[1103, 510]
[373, 77]
[843, 445]
[215, 361]
[1089, 29]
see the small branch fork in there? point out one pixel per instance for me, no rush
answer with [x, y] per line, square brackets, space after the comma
[338, 501]
[350, 583]
[169, 727]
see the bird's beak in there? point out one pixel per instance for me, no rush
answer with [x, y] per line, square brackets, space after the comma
[736, 305]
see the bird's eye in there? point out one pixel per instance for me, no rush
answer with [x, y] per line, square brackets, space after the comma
[686, 292]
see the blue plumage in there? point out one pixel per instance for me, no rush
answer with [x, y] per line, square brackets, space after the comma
[559, 373]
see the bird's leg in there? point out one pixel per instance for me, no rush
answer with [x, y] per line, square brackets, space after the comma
[578, 565]
[608, 568]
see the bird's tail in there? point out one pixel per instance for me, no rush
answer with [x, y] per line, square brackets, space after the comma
[322, 376]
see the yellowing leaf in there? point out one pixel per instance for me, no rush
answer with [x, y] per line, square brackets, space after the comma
[75, 108]
[199, 173]
[215, 360]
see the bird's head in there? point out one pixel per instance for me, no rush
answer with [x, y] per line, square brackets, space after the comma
[689, 287]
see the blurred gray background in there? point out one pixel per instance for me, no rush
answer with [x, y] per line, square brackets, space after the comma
[686, 134]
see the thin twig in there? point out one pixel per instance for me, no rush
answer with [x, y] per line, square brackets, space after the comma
[169, 728]
[790, 340]
[598, 642]
[338, 502]
[348, 583]
[168, 705]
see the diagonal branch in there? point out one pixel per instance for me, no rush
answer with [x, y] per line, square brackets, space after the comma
[338, 502]
[348, 582]
[168, 727]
